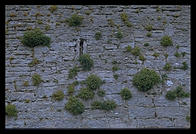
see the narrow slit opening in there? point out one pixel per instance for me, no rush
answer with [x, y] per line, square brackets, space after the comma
[81, 46]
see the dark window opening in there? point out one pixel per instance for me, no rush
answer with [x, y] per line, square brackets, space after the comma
[81, 46]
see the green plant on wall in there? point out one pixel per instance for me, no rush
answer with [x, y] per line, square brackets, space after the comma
[166, 41]
[125, 93]
[167, 67]
[146, 44]
[11, 110]
[58, 95]
[86, 62]
[26, 83]
[70, 89]
[86, 94]
[34, 62]
[115, 76]
[73, 72]
[74, 106]
[101, 93]
[34, 38]
[124, 18]
[52, 8]
[128, 48]
[93, 82]
[119, 35]
[75, 20]
[142, 58]
[111, 22]
[148, 27]
[178, 92]
[105, 105]
[184, 66]
[136, 51]
[149, 34]
[145, 79]
[47, 27]
[98, 35]
[177, 54]
[36, 79]
[171, 95]
[115, 68]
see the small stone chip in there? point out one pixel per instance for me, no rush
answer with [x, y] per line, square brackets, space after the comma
[169, 83]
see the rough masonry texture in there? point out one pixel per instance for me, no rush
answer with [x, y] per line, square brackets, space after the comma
[144, 110]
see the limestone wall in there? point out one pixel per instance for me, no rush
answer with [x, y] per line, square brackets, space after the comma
[150, 109]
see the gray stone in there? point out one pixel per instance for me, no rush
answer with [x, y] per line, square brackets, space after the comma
[144, 110]
[155, 123]
[161, 101]
[141, 112]
[171, 112]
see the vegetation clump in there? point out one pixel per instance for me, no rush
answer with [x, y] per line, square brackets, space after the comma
[93, 82]
[86, 94]
[125, 93]
[171, 95]
[177, 54]
[111, 22]
[142, 58]
[26, 83]
[163, 78]
[74, 106]
[148, 27]
[98, 35]
[184, 66]
[146, 44]
[178, 92]
[11, 110]
[136, 51]
[115, 68]
[13, 15]
[75, 20]
[124, 18]
[115, 76]
[146, 79]
[166, 41]
[71, 89]
[47, 27]
[128, 48]
[105, 105]
[119, 35]
[34, 38]
[34, 62]
[36, 79]
[52, 8]
[183, 54]
[149, 34]
[156, 55]
[86, 62]
[167, 67]
[101, 93]
[188, 118]
[58, 95]
[73, 72]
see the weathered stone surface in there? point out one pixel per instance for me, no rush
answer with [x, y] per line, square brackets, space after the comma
[37, 109]
[154, 123]
[171, 112]
[141, 112]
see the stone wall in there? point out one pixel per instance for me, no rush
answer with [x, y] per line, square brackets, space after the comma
[145, 109]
